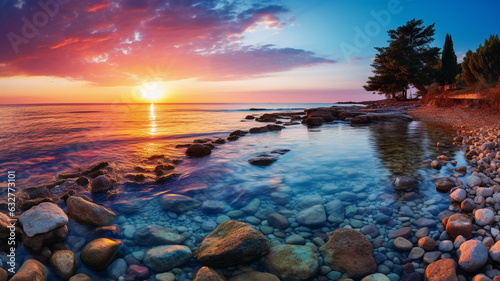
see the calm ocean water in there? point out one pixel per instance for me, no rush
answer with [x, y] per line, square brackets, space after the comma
[334, 161]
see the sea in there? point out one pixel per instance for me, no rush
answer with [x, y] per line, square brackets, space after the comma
[336, 161]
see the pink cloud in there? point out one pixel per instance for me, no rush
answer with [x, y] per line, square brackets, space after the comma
[113, 42]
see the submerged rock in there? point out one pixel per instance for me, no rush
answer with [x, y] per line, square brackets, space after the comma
[263, 160]
[254, 276]
[64, 263]
[42, 219]
[84, 211]
[198, 150]
[153, 235]
[292, 262]
[231, 243]
[164, 258]
[349, 251]
[313, 216]
[178, 203]
[405, 183]
[99, 253]
[208, 274]
[445, 184]
[101, 183]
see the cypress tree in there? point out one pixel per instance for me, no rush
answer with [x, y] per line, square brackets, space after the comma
[449, 66]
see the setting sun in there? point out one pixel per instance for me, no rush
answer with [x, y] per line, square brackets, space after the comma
[152, 91]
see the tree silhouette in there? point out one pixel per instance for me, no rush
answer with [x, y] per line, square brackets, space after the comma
[449, 66]
[408, 61]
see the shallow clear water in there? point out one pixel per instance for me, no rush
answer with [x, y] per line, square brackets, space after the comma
[335, 161]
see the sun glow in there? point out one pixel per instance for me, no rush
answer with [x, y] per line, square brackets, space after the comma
[152, 91]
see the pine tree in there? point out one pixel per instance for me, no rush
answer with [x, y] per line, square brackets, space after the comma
[449, 66]
[408, 61]
[483, 65]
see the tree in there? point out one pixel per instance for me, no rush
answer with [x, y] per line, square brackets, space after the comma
[408, 61]
[483, 65]
[449, 66]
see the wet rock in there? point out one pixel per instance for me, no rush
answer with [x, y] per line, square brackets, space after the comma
[252, 206]
[110, 231]
[164, 258]
[117, 268]
[295, 239]
[254, 276]
[127, 207]
[292, 262]
[165, 276]
[422, 232]
[312, 216]
[42, 218]
[483, 216]
[280, 198]
[431, 257]
[349, 251]
[424, 222]
[136, 272]
[153, 235]
[405, 183]
[402, 244]
[37, 241]
[80, 277]
[4, 275]
[213, 206]
[335, 211]
[459, 224]
[198, 150]
[445, 184]
[376, 277]
[231, 243]
[63, 263]
[278, 221]
[87, 212]
[458, 195]
[208, 274]
[101, 183]
[263, 160]
[99, 253]
[416, 253]
[445, 246]
[401, 232]
[178, 203]
[427, 243]
[314, 121]
[441, 270]
[31, 270]
[436, 165]
[472, 255]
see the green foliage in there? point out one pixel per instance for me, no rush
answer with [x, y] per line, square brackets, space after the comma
[449, 66]
[407, 61]
[483, 65]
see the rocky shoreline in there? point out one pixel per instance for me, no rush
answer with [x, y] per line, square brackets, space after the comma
[309, 238]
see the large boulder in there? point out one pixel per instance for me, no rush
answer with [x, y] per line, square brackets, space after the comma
[459, 224]
[208, 274]
[292, 262]
[31, 270]
[441, 270]
[153, 235]
[231, 243]
[349, 251]
[42, 218]
[164, 258]
[99, 253]
[64, 263]
[84, 211]
[198, 150]
[178, 203]
[472, 255]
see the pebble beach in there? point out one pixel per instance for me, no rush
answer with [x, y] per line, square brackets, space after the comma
[352, 232]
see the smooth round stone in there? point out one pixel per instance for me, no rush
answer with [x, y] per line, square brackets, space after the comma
[42, 218]
[484, 216]
[424, 222]
[266, 229]
[431, 257]
[64, 263]
[280, 198]
[80, 277]
[356, 223]
[395, 277]
[371, 230]
[401, 232]
[334, 275]
[406, 211]
[235, 214]
[458, 195]
[117, 268]
[472, 255]
[253, 220]
[166, 276]
[445, 246]
[384, 269]
[402, 244]
[209, 225]
[128, 231]
[278, 220]
[312, 216]
[99, 253]
[295, 239]
[164, 258]
[494, 252]
[416, 253]
[253, 276]
[422, 232]
[473, 181]
[222, 218]
[376, 277]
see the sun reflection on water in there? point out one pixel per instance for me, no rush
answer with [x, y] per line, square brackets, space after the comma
[152, 118]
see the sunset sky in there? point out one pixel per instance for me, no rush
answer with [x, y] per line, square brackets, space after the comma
[113, 51]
